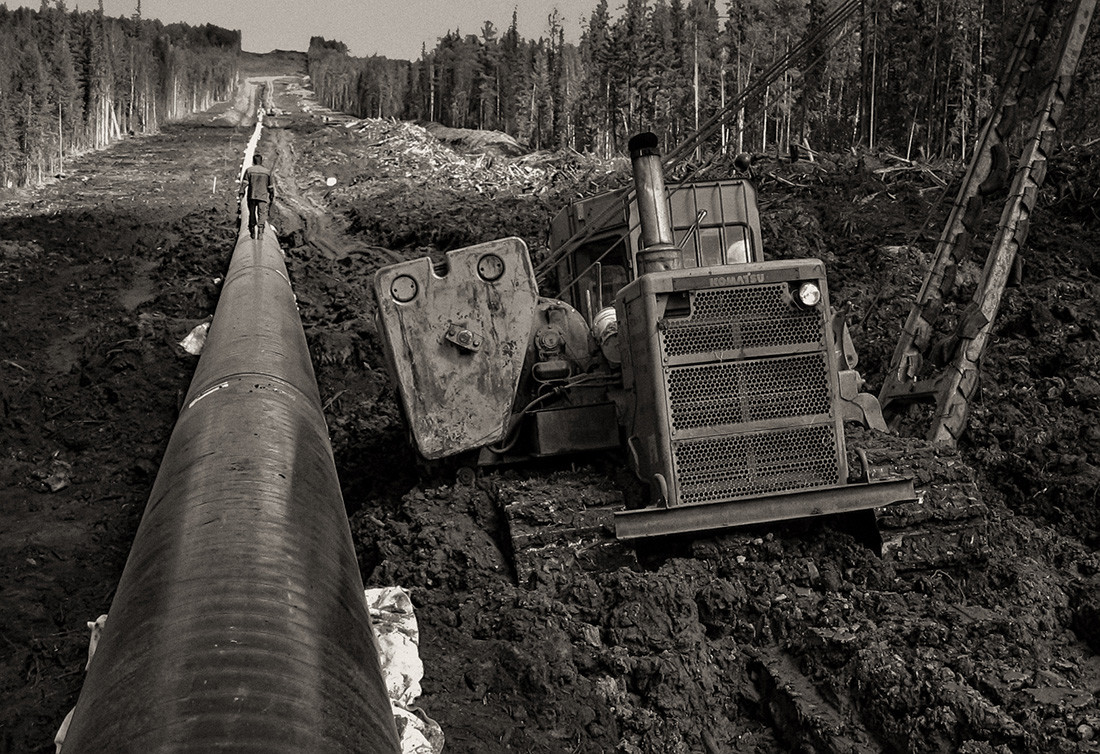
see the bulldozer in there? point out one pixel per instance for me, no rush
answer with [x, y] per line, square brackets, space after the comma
[724, 378]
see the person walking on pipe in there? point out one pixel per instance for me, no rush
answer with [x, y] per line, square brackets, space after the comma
[259, 185]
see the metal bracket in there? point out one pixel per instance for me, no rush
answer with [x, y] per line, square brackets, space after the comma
[463, 337]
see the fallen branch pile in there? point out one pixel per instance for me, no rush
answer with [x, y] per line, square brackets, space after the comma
[388, 149]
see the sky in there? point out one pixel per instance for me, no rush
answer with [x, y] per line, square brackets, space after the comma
[393, 28]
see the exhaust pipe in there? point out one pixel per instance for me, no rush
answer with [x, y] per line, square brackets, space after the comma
[659, 251]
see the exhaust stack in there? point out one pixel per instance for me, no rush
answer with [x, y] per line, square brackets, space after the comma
[659, 252]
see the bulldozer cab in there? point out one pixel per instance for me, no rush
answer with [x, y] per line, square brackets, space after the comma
[713, 223]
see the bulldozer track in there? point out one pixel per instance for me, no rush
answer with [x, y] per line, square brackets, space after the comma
[562, 522]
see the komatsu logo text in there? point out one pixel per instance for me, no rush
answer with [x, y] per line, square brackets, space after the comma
[748, 278]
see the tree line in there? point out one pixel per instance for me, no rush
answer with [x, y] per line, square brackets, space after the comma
[915, 76]
[71, 81]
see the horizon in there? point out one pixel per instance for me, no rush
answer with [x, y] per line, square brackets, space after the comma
[374, 27]
[397, 30]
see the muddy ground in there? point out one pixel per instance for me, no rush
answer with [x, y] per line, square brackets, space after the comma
[794, 638]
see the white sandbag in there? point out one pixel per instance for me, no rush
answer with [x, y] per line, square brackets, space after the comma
[195, 339]
[96, 629]
[391, 613]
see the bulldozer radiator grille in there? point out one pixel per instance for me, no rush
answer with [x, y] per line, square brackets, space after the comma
[710, 395]
[753, 464]
[758, 316]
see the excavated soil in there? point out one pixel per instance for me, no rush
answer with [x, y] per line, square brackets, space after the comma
[790, 638]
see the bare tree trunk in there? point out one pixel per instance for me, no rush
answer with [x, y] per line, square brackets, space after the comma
[536, 125]
[431, 90]
[130, 104]
[695, 81]
[722, 97]
[740, 87]
[116, 132]
[786, 135]
[60, 142]
[764, 120]
[930, 127]
[607, 119]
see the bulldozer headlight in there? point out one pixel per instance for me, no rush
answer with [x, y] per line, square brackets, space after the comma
[809, 294]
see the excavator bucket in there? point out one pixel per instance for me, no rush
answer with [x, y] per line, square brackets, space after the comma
[457, 335]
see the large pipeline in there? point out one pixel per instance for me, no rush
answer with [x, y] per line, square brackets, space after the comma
[239, 623]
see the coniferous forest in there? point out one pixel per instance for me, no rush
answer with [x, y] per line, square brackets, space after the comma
[71, 81]
[913, 76]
